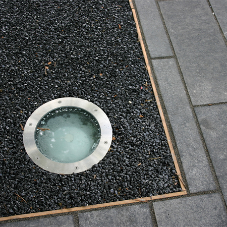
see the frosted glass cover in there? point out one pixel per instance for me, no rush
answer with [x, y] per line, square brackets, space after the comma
[67, 134]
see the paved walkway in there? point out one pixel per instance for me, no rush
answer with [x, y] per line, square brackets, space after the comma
[187, 46]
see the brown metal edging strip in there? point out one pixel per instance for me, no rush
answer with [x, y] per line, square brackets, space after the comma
[74, 209]
[156, 96]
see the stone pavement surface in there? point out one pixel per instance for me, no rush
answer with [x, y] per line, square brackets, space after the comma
[187, 47]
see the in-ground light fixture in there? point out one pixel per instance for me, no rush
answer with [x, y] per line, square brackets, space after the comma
[67, 135]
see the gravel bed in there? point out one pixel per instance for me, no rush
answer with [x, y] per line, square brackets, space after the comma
[86, 49]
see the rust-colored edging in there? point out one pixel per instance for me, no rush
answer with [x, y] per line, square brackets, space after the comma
[74, 209]
[139, 200]
[157, 97]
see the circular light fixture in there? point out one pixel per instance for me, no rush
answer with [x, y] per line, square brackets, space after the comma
[67, 135]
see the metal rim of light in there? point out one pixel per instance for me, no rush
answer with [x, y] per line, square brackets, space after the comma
[67, 168]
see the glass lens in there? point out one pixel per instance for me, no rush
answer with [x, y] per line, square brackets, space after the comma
[67, 134]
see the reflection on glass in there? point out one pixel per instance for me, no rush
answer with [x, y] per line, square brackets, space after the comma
[67, 134]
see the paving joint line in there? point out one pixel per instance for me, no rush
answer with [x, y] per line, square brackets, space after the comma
[161, 58]
[189, 195]
[76, 219]
[169, 127]
[153, 216]
[211, 104]
[216, 19]
[175, 56]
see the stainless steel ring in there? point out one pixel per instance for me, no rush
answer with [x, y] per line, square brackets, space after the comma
[67, 168]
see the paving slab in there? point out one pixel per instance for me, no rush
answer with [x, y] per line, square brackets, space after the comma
[57, 221]
[220, 10]
[131, 216]
[200, 49]
[153, 29]
[202, 210]
[190, 146]
[213, 121]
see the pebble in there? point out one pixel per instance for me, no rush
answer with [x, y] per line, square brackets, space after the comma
[87, 49]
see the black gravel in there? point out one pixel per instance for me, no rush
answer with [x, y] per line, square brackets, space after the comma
[86, 49]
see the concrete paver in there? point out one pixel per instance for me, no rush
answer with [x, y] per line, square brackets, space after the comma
[213, 121]
[190, 146]
[203, 210]
[57, 221]
[131, 216]
[200, 49]
[153, 29]
[220, 10]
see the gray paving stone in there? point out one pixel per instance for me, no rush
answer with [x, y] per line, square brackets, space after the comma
[200, 49]
[131, 216]
[213, 121]
[220, 10]
[203, 210]
[153, 29]
[190, 147]
[58, 221]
